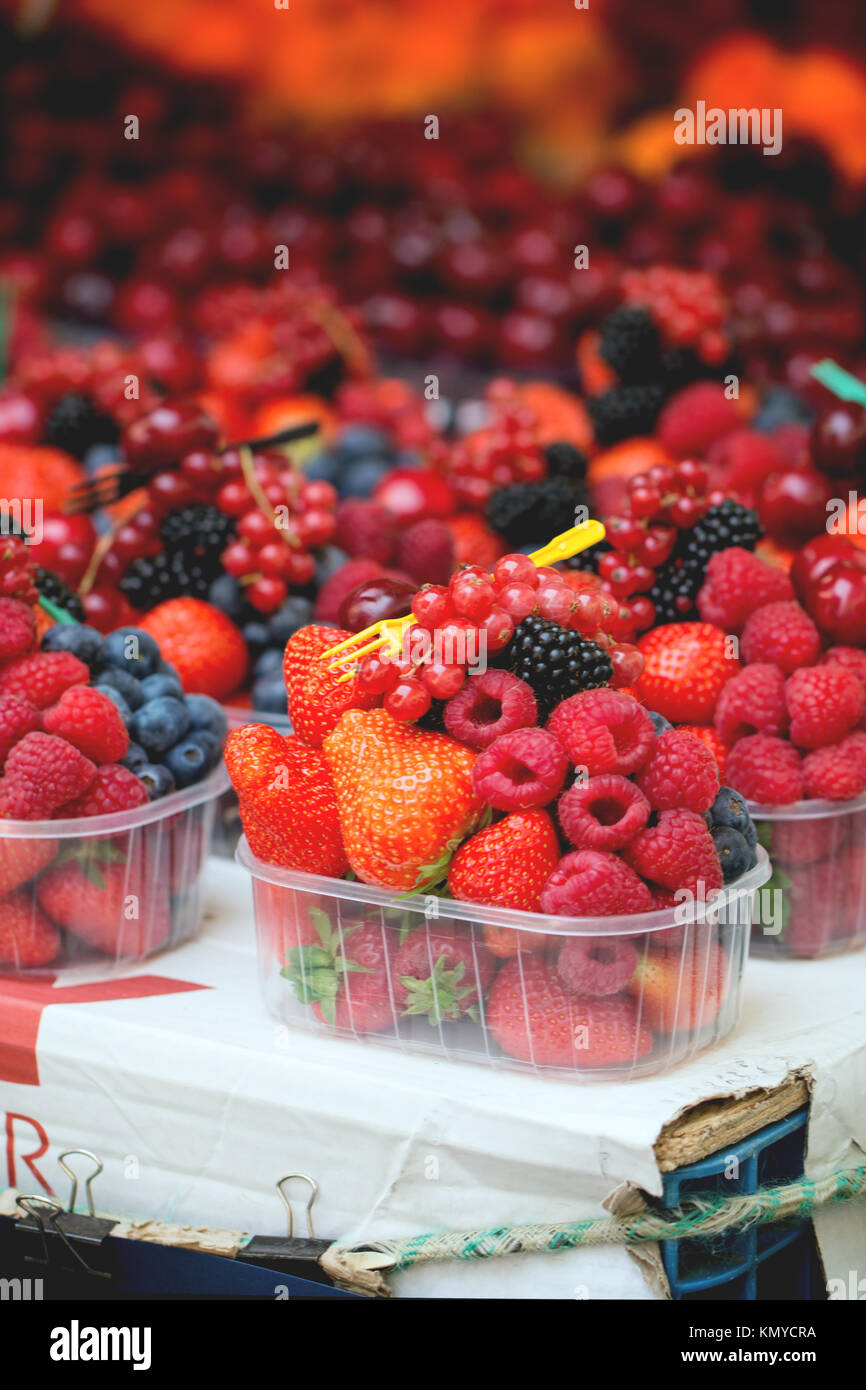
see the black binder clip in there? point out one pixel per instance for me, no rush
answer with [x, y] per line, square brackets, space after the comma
[68, 1239]
[291, 1254]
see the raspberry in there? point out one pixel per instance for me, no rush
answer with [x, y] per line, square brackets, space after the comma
[524, 768]
[366, 531]
[17, 718]
[87, 718]
[603, 813]
[737, 582]
[681, 772]
[43, 677]
[592, 883]
[489, 705]
[852, 658]
[114, 788]
[835, 772]
[43, 773]
[425, 551]
[677, 853]
[783, 633]
[824, 702]
[17, 629]
[695, 418]
[795, 842]
[596, 964]
[604, 731]
[740, 461]
[765, 769]
[335, 589]
[713, 740]
[752, 702]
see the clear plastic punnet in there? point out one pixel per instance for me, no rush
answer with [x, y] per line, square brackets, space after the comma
[511, 989]
[818, 850]
[103, 892]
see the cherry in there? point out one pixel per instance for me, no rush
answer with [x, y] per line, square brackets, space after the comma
[168, 491]
[628, 664]
[100, 609]
[816, 558]
[20, 418]
[838, 439]
[166, 434]
[374, 600]
[793, 505]
[838, 602]
[414, 494]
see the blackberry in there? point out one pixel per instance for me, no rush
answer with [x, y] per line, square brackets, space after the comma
[630, 343]
[530, 513]
[677, 581]
[58, 592]
[198, 530]
[588, 559]
[149, 581]
[555, 661]
[75, 424]
[434, 719]
[564, 461]
[625, 411]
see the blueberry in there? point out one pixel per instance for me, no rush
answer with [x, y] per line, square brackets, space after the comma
[781, 407]
[659, 722]
[360, 441]
[256, 637]
[98, 455]
[360, 478]
[211, 746]
[134, 757]
[123, 683]
[324, 469]
[165, 668]
[730, 809]
[206, 714]
[269, 693]
[295, 612]
[158, 684]
[157, 779]
[270, 660]
[119, 702]
[160, 723]
[225, 593]
[84, 642]
[735, 854]
[187, 761]
[132, 650]
[328, 561]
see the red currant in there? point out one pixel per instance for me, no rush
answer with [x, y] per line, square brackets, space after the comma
[376, 674]
[238, 559]
[233, 498]
[515, 569]
[407, 701]
[472, 595]
[518, 600]
[432, 606]
[266, 594]
[256, 527]
[443, 681]
[497, 630]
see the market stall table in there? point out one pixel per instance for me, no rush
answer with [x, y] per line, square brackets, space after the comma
[198, 1102]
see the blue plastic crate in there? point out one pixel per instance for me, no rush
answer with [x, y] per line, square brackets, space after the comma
[779, 1261]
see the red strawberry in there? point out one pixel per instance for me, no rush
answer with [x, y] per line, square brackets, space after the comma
[21, 860]
[204, 645]
[345, 975]
[441, 971]
[317, 699]
[287, 800]
[27, 938]
[111, 904]
[682, 989]
[686, 665]
[508, 864]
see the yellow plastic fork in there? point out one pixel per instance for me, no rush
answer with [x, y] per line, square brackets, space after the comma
[388, 632]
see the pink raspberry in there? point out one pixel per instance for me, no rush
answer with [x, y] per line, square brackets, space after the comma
[797, 842]
[824, 702]
[43, 773]
[835, 772]
[88, 719]
[739, 462]
[17, 629]
[596, 965]
[681, 772]
[425, 551]
[524, 768]
[366, 531]
[695, 418]
[782, 633]
[604, 812]
[766, 770]
[489, 705]
[604, 731]
[752, 702]
[114, 788]
[677, 853]
[43, 677]
[17, 718]
[592, 883]
[852, 658]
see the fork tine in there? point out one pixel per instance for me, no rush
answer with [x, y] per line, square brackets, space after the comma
[350, 643]
[359, 653]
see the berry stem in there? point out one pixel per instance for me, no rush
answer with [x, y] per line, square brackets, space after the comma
[840, 382]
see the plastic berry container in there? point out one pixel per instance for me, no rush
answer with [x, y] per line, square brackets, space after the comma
[818, 849]
[674, 976]
[104, 892]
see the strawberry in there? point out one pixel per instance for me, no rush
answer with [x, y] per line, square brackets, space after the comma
[204, 645]
[29, 471]
[21, 860]
[440, 971]
[474, 542]
[27, 938]
[683, 988]
[532, 1016]
[507, 865]
[344, 975]
[287, 800]
[404, 797]
[111, 904]
[685, 667]
[316, 696]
